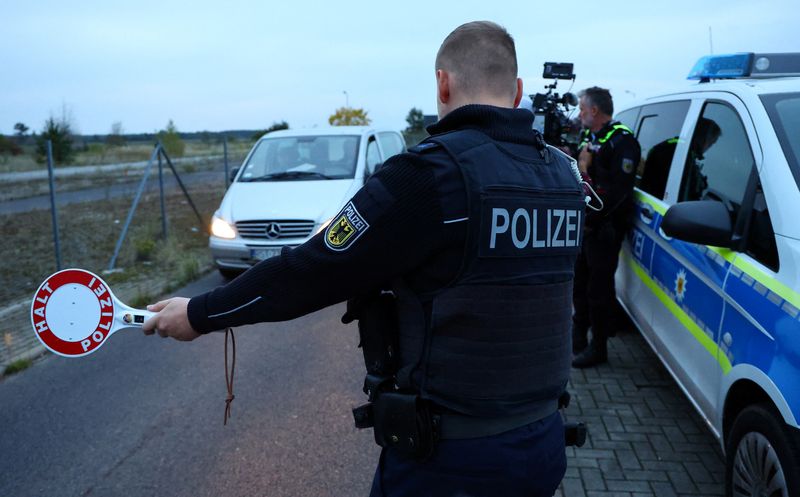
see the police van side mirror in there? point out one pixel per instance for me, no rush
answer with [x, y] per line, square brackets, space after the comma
[707, 222]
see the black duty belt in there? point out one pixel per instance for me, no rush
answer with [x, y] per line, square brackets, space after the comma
[458, 426]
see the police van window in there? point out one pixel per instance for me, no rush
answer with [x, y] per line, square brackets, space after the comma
[373, 157]
[784, 113]
[629, 117]
[391, 144]
[659, 128]
[760, 235]
[719, 161]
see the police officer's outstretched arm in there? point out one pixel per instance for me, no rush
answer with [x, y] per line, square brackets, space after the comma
[392, 224]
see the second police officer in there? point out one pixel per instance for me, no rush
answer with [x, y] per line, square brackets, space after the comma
[608, 157]
[475, 232]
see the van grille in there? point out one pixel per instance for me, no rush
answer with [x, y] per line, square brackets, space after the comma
[274, 229]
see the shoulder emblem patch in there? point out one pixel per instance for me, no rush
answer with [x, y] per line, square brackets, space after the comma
[345, 228]
[627, 165]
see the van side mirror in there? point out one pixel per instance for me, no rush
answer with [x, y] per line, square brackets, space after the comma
[707, 222]
[232, 174]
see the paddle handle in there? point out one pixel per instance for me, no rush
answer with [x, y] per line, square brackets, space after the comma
[133, 318]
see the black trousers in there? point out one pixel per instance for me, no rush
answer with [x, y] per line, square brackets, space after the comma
[593, 294]
[529, 461]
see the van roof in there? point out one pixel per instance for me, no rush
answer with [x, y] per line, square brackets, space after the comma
[328, 130]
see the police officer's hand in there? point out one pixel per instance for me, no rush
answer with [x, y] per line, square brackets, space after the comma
[584, 159]
[172, 320]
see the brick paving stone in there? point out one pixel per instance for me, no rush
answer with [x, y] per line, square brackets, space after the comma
[592, 479]
[613, 423]
[663, 465]
[628, 460]
[645, 438]
[644, 451]
[608, 494]
[662, 489]
[646, 475]
[711, 488]
[698, 472]
[682, 482]
[572, 487]
[628, 485]
[628, 437]
[584, 462]
[612, 469]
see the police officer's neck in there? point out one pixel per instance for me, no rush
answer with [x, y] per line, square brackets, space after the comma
[600, 122]
[493, 101]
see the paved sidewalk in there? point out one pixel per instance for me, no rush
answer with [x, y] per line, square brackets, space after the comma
[645, 438]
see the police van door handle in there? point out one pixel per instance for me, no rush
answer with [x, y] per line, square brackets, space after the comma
[647, 213]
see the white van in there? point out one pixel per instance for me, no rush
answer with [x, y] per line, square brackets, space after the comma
[289, 187]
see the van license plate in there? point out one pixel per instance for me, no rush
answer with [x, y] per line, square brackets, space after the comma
[264, 253]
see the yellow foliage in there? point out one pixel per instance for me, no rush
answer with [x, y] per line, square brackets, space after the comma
[348, 116]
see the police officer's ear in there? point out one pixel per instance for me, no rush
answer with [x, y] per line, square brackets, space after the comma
[443, 86]
[518, 97]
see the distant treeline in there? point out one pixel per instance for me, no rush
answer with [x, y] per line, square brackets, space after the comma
[207, 136]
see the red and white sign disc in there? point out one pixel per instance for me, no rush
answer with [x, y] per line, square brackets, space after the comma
[73, 312]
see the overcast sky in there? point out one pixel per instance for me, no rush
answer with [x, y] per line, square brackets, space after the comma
[212, 65]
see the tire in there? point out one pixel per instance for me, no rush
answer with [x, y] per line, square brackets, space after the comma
[230, 274]
[762, 456]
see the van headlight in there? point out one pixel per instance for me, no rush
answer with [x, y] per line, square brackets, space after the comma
[222, 229]
[323, 226]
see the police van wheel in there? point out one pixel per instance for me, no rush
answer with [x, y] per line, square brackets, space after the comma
[762, 455]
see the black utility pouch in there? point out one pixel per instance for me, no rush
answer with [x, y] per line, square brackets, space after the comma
[404, 422]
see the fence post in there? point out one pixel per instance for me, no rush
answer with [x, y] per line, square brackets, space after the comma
[225, 158]
[53, 213]
[133, 209]
[161, 189]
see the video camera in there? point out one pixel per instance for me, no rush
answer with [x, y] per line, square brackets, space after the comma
[558, 129]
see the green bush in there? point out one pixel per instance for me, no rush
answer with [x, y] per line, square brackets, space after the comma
[145, 248]
[59, 132]
[171, 140]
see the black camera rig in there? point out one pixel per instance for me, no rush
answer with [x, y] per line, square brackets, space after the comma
[558, 130]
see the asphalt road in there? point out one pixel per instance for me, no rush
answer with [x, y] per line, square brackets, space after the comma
[143, 416]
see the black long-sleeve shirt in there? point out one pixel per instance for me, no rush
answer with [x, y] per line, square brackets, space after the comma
[416, 213]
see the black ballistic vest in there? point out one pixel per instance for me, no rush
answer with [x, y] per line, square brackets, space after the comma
[496, 341]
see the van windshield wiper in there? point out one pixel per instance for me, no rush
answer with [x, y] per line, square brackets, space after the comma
[290, 175]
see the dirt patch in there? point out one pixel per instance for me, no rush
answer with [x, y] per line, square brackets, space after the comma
[89, 233]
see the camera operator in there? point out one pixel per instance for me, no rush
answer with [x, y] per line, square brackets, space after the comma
[608, 156]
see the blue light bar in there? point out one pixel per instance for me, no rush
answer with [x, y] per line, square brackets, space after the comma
[722, 66]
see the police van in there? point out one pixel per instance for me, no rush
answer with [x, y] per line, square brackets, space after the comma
[710, 272]
[290, 185]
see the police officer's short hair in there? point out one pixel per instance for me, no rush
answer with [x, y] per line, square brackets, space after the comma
[600, 98]
[483, 56]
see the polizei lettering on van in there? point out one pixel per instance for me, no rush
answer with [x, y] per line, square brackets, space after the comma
[530, 227]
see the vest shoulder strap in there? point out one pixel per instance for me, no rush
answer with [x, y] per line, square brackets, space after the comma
[459, 141]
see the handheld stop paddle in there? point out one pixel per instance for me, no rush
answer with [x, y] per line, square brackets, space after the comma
[74, 312]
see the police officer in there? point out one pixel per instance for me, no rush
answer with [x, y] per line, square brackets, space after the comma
[608, 156]
[476, 232]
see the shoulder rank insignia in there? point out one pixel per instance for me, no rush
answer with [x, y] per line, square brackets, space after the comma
[423, 147]
[345, 228]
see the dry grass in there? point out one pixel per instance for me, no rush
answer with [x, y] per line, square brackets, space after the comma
[89, 232]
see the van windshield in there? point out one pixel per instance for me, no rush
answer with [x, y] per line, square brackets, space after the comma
[784, 113]
[302, 158]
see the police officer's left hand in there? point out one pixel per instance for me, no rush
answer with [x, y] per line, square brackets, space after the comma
[172, 320]
[584, 159]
